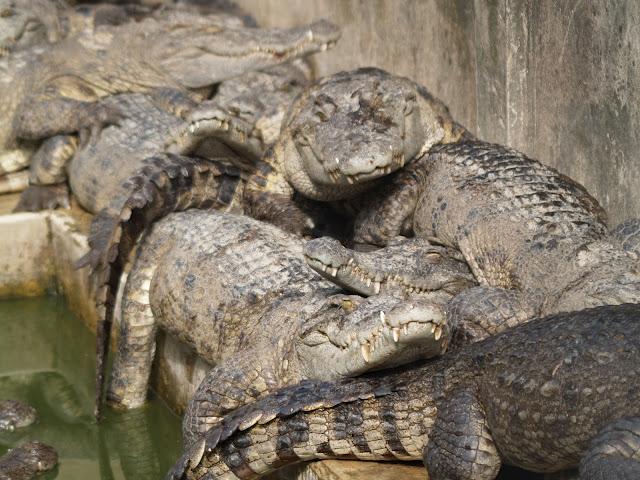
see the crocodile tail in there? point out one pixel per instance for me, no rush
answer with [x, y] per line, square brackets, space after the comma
[365, 418]
[166, 183]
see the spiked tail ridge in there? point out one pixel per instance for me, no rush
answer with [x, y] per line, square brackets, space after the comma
[167, 183]
[367, 418]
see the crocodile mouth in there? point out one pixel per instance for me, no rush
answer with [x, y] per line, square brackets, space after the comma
[358, 278]
[405, 333]
[339, 177]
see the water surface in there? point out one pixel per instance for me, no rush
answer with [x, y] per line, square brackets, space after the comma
[47, 360]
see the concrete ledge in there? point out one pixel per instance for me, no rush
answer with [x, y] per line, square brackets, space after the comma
[37, 255]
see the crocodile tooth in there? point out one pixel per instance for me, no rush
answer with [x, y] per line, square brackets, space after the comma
[192, 128]
[366, 354]
[402, 161]
[285, 364]
[405, 329]
[350, 261]
[333, 272]
[368, 282]
[376, 287]
[433, 328]
[438, 333]
[396, 334]
[324, 268]
[350, 179]
[382, 318]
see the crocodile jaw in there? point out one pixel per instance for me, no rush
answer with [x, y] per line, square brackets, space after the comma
[216, 56]
[408, 332]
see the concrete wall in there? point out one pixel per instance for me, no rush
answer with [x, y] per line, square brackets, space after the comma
[558, 80]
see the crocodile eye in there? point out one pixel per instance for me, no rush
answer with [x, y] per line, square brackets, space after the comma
[409, 105]
[7, 12]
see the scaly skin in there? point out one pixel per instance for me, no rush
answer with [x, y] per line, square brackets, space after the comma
[345, 132]
[28, 28]
[98, 170]
[14, 414]
[628, 234]
[239, 293]
[246, 113]
[27, 461]
[502, 400]
[535, 240]
[61, 93]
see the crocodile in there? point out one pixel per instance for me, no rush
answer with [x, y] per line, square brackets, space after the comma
[535, 240]
[97, 173]
[345, 132]
[231, 286]
[28, 29]
[14, 414]
[27, 461]
[504, 400]
[175, 57]
[246, 113]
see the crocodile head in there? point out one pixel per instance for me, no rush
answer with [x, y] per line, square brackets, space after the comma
[198, 51]
[36, 456]
[354, 127]
[245, 114]
[405, 266]
[24, 23]
[352, 335]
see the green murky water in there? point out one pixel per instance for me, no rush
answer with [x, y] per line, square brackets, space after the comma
[47, 360]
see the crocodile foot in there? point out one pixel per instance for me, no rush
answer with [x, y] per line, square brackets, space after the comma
[43, 197]
[94, 117]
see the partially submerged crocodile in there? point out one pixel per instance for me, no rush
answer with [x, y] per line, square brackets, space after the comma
[238, 291]
[173, 58]
[27, 461]
[535, 240]
[14, 414]
[545, 396]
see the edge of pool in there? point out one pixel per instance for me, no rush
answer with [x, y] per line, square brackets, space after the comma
[37, 254]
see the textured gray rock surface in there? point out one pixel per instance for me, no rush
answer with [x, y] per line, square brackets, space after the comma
[559, 81]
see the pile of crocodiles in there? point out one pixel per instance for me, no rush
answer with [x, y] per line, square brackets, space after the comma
[366, 278]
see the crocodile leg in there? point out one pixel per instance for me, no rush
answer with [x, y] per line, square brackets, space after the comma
[48, 174]
[480, 312]
[460, 445]
[628, 234]
[268, 197]
[615, 453]
[388, 210]
[240, 380]
[42, 118]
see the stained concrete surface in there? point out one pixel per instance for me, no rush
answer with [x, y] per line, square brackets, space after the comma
[557, 80]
